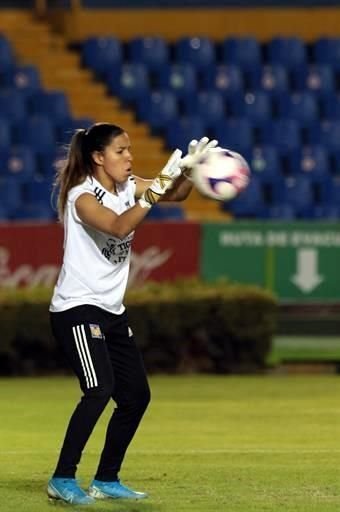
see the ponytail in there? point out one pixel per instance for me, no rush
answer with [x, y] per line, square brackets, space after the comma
[79, 164]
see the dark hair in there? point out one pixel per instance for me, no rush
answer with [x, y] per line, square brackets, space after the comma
[79, 163]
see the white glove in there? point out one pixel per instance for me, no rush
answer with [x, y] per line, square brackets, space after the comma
[196, 150]
[163, 181]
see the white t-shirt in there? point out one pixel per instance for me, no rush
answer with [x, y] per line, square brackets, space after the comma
[96, 265]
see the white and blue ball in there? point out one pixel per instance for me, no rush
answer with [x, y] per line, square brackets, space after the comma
[221, 174]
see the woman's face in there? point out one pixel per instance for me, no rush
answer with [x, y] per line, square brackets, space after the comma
[116, 159]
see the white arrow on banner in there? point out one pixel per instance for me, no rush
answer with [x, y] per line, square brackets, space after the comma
[307, 277]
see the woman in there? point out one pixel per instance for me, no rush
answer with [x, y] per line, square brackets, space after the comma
[101, 203]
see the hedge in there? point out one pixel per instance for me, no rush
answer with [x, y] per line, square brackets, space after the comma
[184, 326]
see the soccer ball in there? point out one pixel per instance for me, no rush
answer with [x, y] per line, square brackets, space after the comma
[221, 174]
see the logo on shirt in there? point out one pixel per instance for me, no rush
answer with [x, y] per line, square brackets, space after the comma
[99, 194]
[96, 331]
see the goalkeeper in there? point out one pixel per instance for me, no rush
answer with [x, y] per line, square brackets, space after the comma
[100, 203]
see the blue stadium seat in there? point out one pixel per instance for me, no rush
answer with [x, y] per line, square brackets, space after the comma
[102, 54]
[67, 128]
[53, 104]
[157, 109]
[284, 133]
[273, 79]
[7, 57]
[182, 79]
[250, 203]
[298, 192]
[207, 104]
[311, 161]
[25, 78]
[152, 52]
[37, 132]
[255, 105]
[326, 133]
[316, 78]
[226, 79]
[235, 133]
[265, 164]
[20, 163]
[330, 107]
[10, 195]
[241, 51]
[160, 212]
[34, 211]
[5, 134]
[329, 212]
[301, 106]
[326, 51]
[331, 193]
[181, 131]
[289, 52]
[129, 83]
[198, 51]
[12, 105]
[281, 211]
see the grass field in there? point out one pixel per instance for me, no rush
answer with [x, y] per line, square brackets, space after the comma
[207, 444]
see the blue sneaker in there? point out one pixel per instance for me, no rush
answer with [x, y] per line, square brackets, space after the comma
[114, 490]
[68, 490]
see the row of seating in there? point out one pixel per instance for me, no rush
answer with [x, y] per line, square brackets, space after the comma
[104, 53]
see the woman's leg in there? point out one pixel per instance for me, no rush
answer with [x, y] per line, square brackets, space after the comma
[131, 394]
[80, 333]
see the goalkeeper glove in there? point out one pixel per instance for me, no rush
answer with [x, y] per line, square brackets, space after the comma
[163, 181]
[196, 151]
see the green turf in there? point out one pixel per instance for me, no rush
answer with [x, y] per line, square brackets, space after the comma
[207, 444]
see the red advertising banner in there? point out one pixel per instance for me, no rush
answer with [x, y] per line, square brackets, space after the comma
[31, 254]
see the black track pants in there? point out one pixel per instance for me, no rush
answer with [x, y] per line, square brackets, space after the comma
[101, 350]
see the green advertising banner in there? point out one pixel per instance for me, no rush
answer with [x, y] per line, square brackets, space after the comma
[297, 261]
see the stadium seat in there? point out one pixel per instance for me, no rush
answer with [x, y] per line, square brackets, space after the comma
[244, 52]
[53, 104]
[12, 105]
[289, 52]
[265, 164]
[25, 78]
[255, 105]
[311, 161]
[102, 54]
[198, 51]
[329, 212]
[181, 131]
[5, 134]
[273, 79]
[330, 107]
[301, 106]
[281, 211]
[235, 133]
[181, 79]
[250, 203]
[152, 52]
[7, 57]
[326, 51]
[129, 82]
[283, 133]
[66, 129]
[20, 163]
[207, 104]
[226, 79]
[298, 192]
[326, 133]
[37, 132]
[157, 109]
[316, 78]
[10, 195]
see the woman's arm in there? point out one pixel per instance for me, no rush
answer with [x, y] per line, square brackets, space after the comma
[180, 190]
